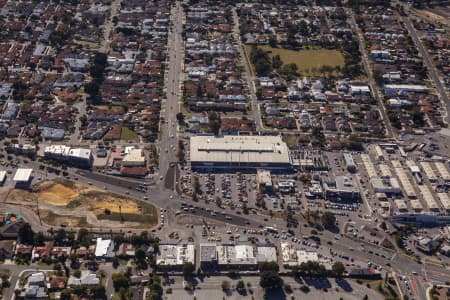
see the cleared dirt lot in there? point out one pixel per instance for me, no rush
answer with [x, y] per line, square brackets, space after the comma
[75, 204]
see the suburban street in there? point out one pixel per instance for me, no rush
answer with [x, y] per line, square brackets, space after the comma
[356, 198]
[168, 134]
[371, 81]
[431, 69]
[247, 74]
[105, 42]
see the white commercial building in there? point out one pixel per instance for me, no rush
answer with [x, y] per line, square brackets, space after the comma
[266, 253]
[392, 90]
[237, 256]
[175, 255]
[386, 185]
[359, 89]
[2, 177]
[243, 152]
[305, 256]
[104, 248]
[86, 278]
[76, 156]
[134, 158]
[292, 256]
[22, 176]
[264, 179]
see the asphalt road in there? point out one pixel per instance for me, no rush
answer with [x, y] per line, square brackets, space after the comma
[373, 86]
[431, 69]
[163, 196]
[105, 43]
[248, 74]
[169, 134]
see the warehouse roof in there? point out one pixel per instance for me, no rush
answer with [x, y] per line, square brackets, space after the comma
[22, 175]
[401, 204]
[239, 149]
[442, 170]
[429, 172]
[369, 166]
[416, 205]
[428, 197]
[443, 197]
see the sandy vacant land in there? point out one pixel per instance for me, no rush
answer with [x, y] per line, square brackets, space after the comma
[57, 194]
[82, 204]
[53, 219]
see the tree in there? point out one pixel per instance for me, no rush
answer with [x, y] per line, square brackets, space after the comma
[140, 254]
[92, 88]
[140, 259]
[74, 261]
[318, 138]
[219, 201]
[98, 292]
[240, 286]
[115, 262]
[288, 288]
[65, 294]
[84, 237]
[245, 209]
[270, 280]
[311, 268]
[196, 185]
[214, 122]
[83, 119]
[156, 290]
[354, 143]
[26, 235]
[120, 281]
[273, 42]
[378, 76]
[226, 285]
[268, 266]
[188, 269]
[418, 118]
[180, 117]
[261, 61]
[328, 220]
[77, 273]
[338, 268]
[60, 237]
